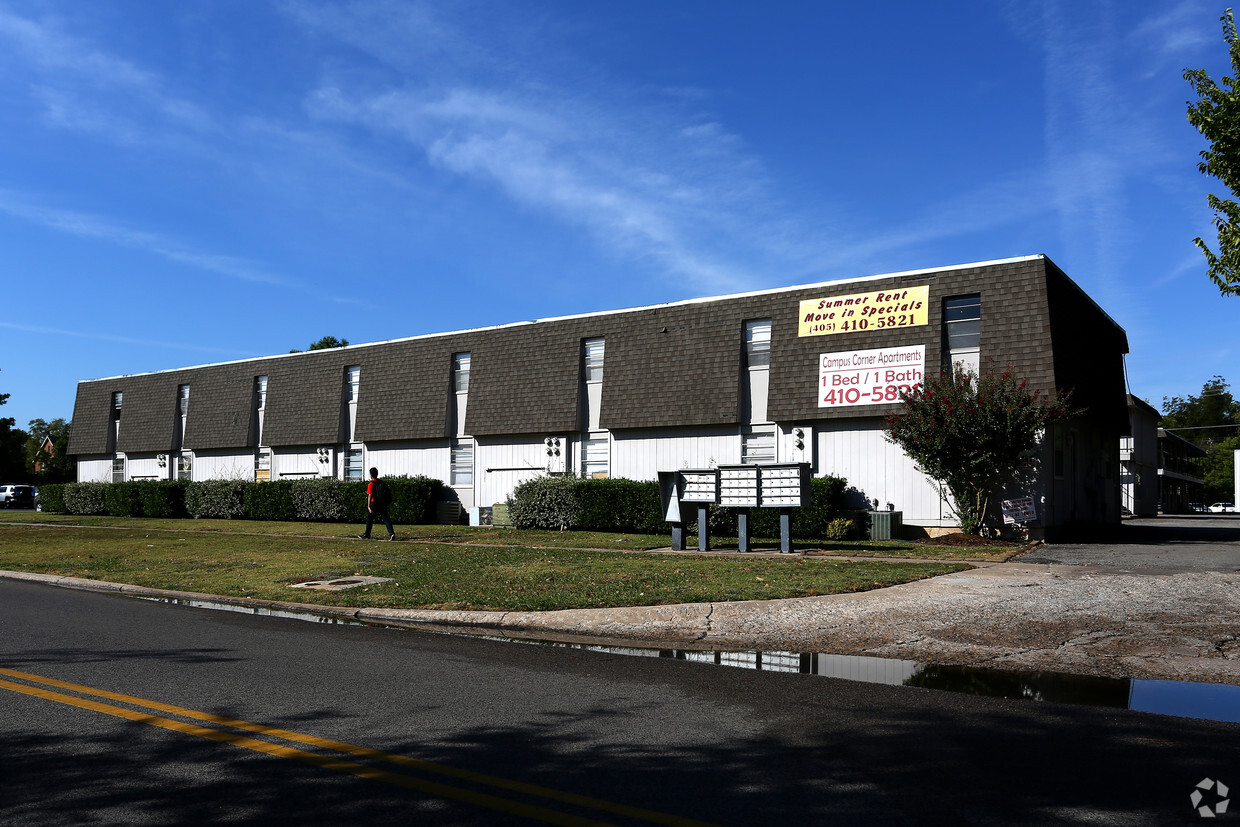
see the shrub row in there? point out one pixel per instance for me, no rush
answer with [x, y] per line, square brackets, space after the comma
[318, 500]
[630, 506]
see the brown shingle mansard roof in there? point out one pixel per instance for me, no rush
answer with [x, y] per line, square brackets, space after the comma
[668, 365]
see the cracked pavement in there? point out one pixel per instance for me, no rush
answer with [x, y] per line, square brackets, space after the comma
[1161, 603]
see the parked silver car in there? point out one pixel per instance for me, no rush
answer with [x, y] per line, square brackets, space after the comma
[1223, 508]
[16, 496]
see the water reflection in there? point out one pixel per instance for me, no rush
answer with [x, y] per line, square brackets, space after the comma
[1185, 699]
[1206, 701]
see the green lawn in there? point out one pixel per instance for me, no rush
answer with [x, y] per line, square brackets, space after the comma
[487, 536]
[499, 569]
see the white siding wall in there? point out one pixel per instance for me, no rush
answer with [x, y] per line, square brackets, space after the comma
[409, 459]
[856, 450]
[94, 469]
[641, 455]
[221, 465]
[291, 463]
[500, 467]
[146, 467]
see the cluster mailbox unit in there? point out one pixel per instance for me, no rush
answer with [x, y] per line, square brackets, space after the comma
[779, 485]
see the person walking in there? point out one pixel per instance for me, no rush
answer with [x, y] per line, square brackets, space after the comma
[378, 498]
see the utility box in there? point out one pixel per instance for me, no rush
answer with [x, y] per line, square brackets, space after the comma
[499, 516]
[884, 525]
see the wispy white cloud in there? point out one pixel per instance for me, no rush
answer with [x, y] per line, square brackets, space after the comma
[108, 337]
[85, 225]
[82, 87]
[551, 152]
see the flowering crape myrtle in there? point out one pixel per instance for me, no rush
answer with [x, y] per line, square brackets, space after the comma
[973, 434]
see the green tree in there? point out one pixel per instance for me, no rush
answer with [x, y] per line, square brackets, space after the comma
[1219, 470]
[1211, 421]
[1204, 419]
[1216, 115]
[325, 343]
[12, 448]
[56, 465]
[973, 434]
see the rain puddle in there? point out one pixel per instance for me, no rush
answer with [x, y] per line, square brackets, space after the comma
[1185, 699]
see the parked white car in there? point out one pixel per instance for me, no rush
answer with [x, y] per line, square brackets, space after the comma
[1223, 508]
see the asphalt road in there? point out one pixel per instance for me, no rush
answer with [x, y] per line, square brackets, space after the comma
[1148, 545]
[683, 739]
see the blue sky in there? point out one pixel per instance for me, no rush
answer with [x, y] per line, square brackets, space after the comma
[208, 180]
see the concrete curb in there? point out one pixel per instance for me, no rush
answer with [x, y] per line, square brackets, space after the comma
[679, 623]
[1025, 616]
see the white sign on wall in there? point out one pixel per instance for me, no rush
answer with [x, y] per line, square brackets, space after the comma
[869, 377]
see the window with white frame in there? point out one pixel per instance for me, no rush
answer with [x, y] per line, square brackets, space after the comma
[183, 412]
[962, 330]
[462, 472]
[262, 466]
[353, 464]
[460, 372]
[758, 446]
[353, 380]
[260, 413]
[118, 469]
[596, 459]
[185, 466]
[756, 372]
[758, 343]
[593, 357]
[116, 404]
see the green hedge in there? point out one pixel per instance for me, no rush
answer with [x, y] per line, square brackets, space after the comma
[619, 505]
[221, 499]
[269, 501]
[84, 498]
[52, 498]
[142, 498]
[627, 505]
[312, 500]
[163, 498]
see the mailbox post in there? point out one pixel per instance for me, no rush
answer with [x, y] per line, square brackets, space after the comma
[784, 486]
[738, 488]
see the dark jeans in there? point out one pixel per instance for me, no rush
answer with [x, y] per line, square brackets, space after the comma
[370, 520]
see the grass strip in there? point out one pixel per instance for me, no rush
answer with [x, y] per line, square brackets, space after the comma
[432, 576]
[487, 536]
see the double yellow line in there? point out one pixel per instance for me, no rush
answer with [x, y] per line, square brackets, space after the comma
[33, 685]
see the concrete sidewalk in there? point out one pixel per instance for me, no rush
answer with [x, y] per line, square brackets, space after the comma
[1175, 625]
